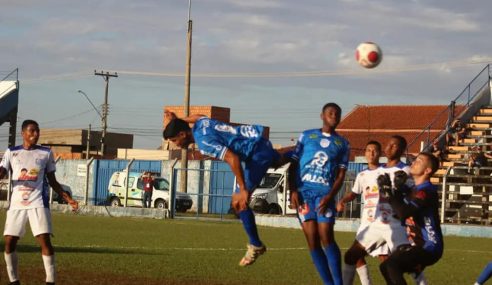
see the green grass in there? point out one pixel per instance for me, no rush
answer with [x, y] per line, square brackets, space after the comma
[102, 250]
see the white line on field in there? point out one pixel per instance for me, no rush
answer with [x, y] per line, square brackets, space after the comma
[230, 249]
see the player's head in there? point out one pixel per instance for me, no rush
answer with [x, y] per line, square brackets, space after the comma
[30, 132]
[331, 115]
[372, 152]
[395, 147]
[178, 132]
[425, 164]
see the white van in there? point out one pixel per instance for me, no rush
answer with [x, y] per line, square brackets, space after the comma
[160, 195]
[272, 195]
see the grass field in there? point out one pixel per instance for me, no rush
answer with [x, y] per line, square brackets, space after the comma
[102, 250]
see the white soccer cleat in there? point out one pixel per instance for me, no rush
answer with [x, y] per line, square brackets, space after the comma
[252, 254]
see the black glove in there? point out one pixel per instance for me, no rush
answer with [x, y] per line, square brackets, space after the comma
[400, 179]
[384, 184]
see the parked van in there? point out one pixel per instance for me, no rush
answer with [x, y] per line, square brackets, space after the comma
[272, 195]
[160, 195]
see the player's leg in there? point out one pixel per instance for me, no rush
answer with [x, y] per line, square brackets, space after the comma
[15, 227]
[307, 217]
[254, 171]
[40, 221]
[485, 275]
[332, 251]
[406, 258]
[326, 231]
[354, 259]
[396, 236]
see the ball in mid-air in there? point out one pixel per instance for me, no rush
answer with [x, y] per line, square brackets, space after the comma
[368, 54]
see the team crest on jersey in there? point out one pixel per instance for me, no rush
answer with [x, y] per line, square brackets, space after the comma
[324, 143]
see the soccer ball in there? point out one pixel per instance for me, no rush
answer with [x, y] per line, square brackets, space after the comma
[368, 55]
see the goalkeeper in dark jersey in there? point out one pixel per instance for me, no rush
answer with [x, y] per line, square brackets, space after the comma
[418, 210]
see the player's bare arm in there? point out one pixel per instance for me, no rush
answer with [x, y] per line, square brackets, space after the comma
[3, 173]
[294, 195]
[346, 199]
[239, 200]
[59, 190]
[190, 119]
[323, 204]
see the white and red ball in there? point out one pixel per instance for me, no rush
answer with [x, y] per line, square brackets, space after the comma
[368, 54]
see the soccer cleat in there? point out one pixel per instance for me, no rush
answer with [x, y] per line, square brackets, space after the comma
[252, 254]
[16, 282]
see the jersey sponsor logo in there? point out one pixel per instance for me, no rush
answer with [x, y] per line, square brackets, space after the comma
[338, 142]
[215, 146]
[225, 128]
[314, 178]
[248, 131]
[431, 234]
[324, 143]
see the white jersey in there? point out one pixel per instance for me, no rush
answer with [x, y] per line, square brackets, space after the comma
[375, 208]
[29, 168]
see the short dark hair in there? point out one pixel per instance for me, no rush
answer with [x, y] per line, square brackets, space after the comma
[332, 105]
[376, 143]
[402, 142]
[29, 122]
[174, 127]
[434, 162]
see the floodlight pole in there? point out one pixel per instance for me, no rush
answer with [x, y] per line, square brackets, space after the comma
[106, 77]
[184, 152]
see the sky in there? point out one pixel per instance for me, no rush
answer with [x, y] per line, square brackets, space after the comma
[273, 62]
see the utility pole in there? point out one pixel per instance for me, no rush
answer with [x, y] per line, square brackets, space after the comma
[106, 77]
[88, 142]
[184, 152]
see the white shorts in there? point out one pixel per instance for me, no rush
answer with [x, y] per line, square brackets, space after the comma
[381, 239]
[39, 220]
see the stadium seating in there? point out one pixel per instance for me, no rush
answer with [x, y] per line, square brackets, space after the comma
[468, 191]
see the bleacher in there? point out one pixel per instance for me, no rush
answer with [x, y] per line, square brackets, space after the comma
[468, 191]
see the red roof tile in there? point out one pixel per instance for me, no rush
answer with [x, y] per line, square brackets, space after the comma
[365, 123]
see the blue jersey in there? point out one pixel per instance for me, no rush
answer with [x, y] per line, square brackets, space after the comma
[424, 226]
[214, 138]
[319, 156]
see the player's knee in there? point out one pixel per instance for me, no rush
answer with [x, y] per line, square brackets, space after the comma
[350, 257]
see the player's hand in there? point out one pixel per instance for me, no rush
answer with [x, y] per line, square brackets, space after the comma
[323, 204]
[169, 115]
[240, 201]
[384, 184]
[294, 200]
[74, 204]
[400, 179]
[340, 206]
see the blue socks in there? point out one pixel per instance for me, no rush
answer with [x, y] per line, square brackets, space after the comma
[249, 224]
[321, 264]
[486, 274]
[334, 257]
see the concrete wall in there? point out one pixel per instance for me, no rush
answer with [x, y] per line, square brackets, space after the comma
[71, 174]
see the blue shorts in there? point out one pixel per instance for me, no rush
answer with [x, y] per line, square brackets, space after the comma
[255, 168]
[308, 209]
